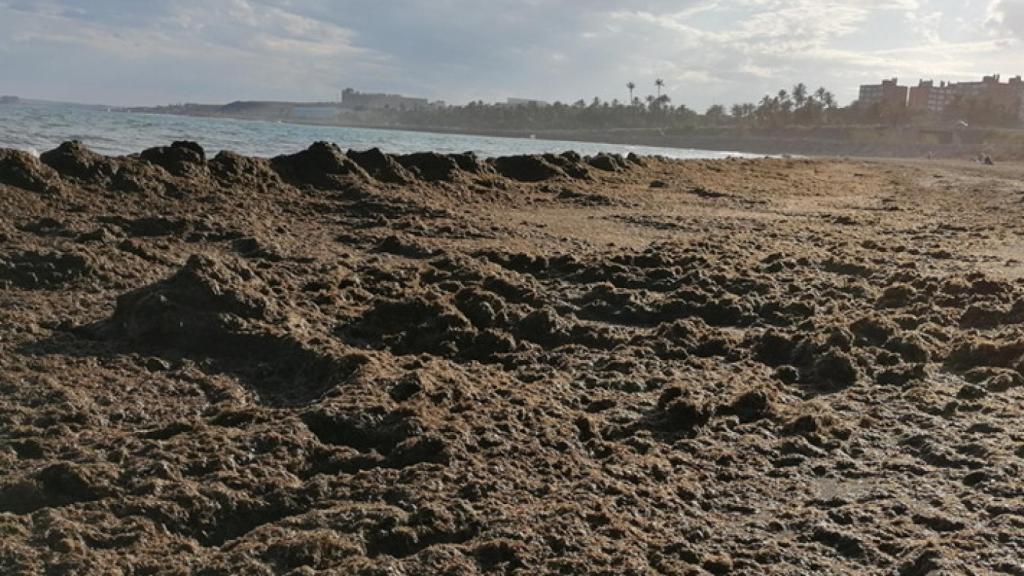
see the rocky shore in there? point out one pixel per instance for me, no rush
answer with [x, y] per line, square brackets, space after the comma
[350, 362]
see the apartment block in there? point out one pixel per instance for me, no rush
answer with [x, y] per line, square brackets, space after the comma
[888, 94]
[931, 97]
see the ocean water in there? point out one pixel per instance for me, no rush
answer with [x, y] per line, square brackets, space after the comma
[40, 126]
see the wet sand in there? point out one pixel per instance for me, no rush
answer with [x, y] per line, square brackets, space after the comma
[365, 364]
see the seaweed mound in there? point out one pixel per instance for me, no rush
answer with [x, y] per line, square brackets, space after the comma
[381, 166]
[181, 158]
[208, 306]
[220, 309]
[608, 162]
[73, 160]
[22, 170]
[571, 163]
[233, 169]
[526, 168]
[322, 165]
[430, 166]
[468, 162]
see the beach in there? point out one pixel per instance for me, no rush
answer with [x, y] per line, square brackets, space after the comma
[333, 362]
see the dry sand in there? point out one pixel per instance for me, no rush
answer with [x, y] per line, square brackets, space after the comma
[326, 364]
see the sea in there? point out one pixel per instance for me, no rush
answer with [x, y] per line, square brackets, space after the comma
[38, 126]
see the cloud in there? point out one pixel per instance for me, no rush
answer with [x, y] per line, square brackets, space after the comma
[231, 47]
[124, 51]
[1008, 15]
[189, 27]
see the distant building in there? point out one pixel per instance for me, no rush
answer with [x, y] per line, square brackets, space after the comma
[364, 101]
[1018, 85]
[888, 94]
[926, 96]
[1009, 96]
[999, 95]
[526, 102]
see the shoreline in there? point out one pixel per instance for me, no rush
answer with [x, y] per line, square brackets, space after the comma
[103, 129]
[895, 142]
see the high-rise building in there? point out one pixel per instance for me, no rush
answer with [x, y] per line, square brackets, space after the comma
[927, 96]
[888, 94]
[364, 101]
[1009, 96]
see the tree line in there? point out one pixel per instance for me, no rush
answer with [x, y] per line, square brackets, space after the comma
[797, 106]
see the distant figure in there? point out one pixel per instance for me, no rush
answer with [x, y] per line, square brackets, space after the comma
[987, 161]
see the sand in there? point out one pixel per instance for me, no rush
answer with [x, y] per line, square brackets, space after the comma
[334, 363]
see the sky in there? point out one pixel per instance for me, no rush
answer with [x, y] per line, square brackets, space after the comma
[147, 52]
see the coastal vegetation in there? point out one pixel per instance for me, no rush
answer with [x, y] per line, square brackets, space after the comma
[796, 107]
[794, 120]
[799, 106]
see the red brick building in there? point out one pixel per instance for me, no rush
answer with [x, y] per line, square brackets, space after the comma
[926, 96]
[1008, 96]
[889, 94]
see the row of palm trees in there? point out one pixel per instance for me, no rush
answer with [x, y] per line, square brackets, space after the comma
[798, 106]
[658, 84]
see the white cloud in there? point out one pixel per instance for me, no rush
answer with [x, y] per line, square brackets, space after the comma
[1008, 15]
[251, 50]
[706, 50]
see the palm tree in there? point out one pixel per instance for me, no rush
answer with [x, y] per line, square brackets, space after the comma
[715, 113]
[826, 98]
[659, 84]
[785, 102]
[826, 102]
[766, 108]
[800, 94]
[631, 87]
